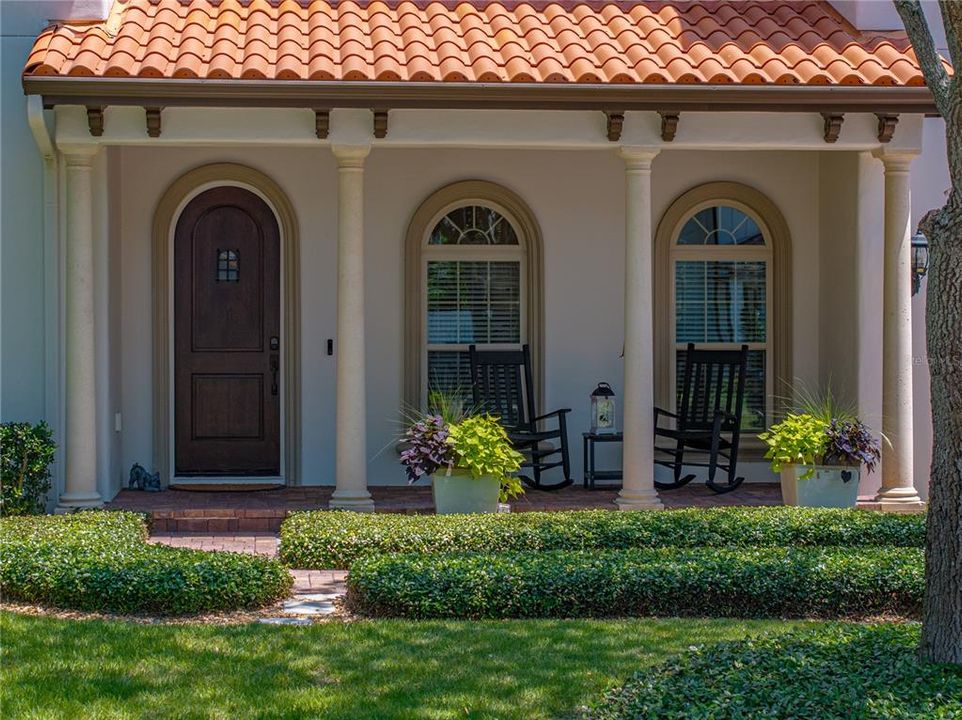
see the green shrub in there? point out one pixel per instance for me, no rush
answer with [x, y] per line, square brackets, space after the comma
[715, 582]
[26, 452]
[833, 673]
[99, 561]
[335, 540]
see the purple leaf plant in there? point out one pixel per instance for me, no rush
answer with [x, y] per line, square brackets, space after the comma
[427, 448]
[850, 442]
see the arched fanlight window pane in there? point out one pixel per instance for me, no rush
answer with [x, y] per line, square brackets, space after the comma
[721, 225]
[473, 225]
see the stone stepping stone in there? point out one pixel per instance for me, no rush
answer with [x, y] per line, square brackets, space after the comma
[311, 604]
[284, 621]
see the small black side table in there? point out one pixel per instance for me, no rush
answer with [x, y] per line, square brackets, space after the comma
[589, 440]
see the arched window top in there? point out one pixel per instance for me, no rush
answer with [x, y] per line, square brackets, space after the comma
[473, 225]
[721, 225]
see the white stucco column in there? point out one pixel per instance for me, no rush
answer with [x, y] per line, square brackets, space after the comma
[80, 433]
[351, 492]
[638, 489]
[897, 489]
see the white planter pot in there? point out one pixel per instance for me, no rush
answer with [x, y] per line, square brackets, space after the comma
[833, 486]
[459, 492]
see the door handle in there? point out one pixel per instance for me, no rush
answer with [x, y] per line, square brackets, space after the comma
[275, 366]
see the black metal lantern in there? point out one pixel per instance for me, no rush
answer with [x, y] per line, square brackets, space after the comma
[603, 409]
[920, 260]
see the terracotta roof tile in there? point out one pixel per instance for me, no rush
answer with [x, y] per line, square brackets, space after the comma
[710, 41]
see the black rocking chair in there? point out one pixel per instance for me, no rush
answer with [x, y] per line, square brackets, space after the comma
[501, 385]
[709, 418]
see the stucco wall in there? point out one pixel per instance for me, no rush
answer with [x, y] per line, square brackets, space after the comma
[21, 236]
[578, 199]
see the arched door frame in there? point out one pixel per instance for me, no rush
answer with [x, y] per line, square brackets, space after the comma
[168, 211]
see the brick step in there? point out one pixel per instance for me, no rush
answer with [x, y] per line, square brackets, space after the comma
[216, 520]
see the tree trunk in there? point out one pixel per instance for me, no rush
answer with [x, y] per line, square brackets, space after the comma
[942, 623]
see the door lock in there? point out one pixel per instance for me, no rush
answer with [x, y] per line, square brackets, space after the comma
[275, 343]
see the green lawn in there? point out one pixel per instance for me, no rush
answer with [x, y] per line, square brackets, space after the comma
[384, 669]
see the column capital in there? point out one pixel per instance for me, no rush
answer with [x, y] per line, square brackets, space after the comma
[638, 158]
[79, 155]
[350, 156]
[895, 161]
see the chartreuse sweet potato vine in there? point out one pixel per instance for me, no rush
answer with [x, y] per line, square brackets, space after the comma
[798, 440]
[482, 446]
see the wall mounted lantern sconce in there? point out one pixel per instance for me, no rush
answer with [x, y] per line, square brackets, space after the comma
[920, 260]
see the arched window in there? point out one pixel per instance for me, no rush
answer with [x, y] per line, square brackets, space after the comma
[473, 276]
[723, 281]
[473, 280]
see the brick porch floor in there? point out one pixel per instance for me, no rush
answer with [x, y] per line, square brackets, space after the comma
[253, 543]
[250, 513]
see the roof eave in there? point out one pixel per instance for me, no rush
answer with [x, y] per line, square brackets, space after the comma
[166, 92]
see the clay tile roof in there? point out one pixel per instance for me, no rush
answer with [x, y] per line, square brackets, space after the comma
[746, 42]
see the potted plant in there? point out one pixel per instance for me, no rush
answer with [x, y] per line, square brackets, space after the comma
[819, 458]
[470, 461]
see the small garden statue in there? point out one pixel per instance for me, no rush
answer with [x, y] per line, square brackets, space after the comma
[140, 479]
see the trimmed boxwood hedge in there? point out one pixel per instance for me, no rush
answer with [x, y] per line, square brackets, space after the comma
[716, 582]
[336, 539]
[833, 673]
[100, 561]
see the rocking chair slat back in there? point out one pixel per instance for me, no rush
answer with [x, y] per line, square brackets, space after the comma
[714, 381]
[502, 385]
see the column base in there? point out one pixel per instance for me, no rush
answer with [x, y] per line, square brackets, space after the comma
[348, 500]
[899, 499]
[71, 502]
[638, 501]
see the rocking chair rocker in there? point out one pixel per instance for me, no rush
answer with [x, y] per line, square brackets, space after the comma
[709, 418]
[501, 384]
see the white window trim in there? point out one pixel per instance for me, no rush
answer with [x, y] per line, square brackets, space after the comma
[733, 253]
[418, 252]
[778, 287]
[468, 253]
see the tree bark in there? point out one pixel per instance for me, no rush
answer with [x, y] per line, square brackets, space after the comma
[942, 613]
[942, 610]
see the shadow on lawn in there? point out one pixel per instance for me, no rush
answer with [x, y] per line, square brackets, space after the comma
[370, 669]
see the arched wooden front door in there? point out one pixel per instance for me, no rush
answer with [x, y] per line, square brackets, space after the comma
[227, 336]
